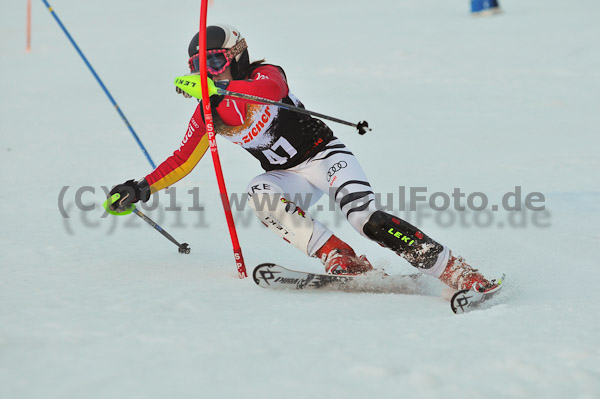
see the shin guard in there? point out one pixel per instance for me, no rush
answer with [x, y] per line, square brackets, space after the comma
[407, 241]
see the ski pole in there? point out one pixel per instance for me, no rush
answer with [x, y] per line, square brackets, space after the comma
[135, 136]
[210, 131]
[191, 83]
[362, 126]
[183, 248]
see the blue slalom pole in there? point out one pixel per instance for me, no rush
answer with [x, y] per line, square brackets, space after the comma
[135, 136]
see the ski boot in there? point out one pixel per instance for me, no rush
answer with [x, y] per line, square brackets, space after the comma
[339, 258]
[459, 275]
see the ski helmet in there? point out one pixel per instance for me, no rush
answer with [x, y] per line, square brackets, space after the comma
[222, 37]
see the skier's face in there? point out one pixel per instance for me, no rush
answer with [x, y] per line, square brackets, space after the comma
[225, 75]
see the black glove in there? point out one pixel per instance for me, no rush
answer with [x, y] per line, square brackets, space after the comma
[131, 192]
[179, 91]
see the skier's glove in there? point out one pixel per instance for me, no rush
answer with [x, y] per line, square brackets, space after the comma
[183, 93]
[130, 192]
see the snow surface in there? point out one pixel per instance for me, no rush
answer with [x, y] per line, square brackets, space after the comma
[104, 307]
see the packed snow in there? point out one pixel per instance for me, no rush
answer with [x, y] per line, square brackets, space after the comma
[97, 306]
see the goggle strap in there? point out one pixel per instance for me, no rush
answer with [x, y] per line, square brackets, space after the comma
[230, 54]
[237, 49]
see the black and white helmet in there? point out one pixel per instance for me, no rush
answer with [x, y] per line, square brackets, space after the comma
[223, 37]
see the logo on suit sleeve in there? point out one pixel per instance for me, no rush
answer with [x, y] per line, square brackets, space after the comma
[335, 168]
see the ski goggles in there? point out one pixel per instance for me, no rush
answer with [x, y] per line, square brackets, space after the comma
[218, 60]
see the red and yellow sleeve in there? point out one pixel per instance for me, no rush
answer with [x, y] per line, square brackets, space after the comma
[266, 81]
[184, 160]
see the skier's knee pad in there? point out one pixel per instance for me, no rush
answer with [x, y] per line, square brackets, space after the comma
[284, 218]
[406, 240]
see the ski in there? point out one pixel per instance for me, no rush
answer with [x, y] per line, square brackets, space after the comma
[270, 275]
[464, 301]
[273, 276]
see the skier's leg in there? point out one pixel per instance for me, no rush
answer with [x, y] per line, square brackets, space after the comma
[278, 199]
[325, 171]
[407, 241]
[337, 171]
[423, 252]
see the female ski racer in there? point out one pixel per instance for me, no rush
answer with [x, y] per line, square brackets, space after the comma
[302, 159]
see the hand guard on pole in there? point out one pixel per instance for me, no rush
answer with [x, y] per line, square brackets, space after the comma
[129, 192]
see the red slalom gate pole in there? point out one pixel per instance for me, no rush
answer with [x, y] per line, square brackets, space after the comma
[210, 130]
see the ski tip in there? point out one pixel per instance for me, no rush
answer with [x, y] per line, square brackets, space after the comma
[464, 301]
[258, 272]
